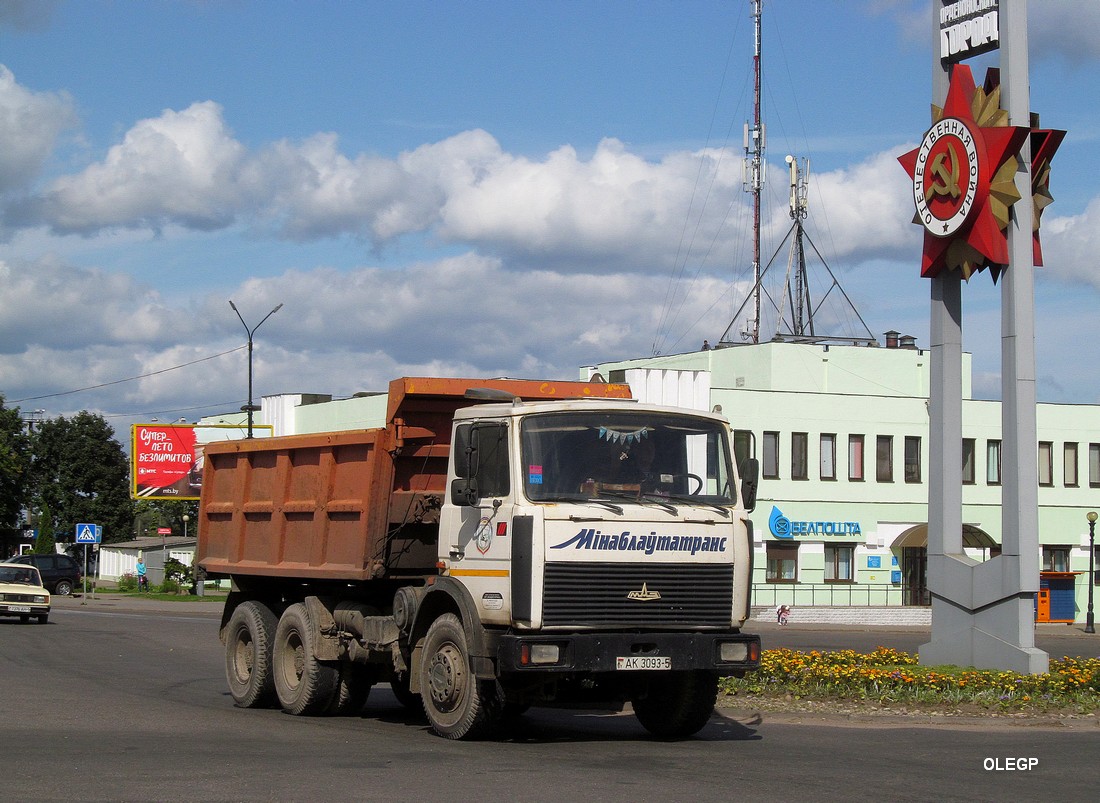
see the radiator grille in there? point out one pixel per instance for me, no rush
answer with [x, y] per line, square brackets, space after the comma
[587, 594]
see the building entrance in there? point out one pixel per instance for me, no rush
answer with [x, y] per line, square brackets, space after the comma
[914, 575]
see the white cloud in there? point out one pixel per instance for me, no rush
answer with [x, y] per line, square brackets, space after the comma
[311, 190]
[30, 123]
[50, 304]
[338, 332]
[1070, 245]
[577, 215]
[867, 207]
[181, 167]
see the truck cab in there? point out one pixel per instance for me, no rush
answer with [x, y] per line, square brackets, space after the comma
[605, 547]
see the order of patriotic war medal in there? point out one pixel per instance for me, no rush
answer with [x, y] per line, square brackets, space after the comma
[945, 181]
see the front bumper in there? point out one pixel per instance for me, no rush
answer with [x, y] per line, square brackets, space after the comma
[599, 652]
[23, 609]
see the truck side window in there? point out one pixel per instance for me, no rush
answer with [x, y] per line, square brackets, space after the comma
[481, 452]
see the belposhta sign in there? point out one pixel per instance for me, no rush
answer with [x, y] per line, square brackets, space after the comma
[968, 28]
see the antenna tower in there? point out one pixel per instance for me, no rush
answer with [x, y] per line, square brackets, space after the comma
[795, 293]
[754, 168]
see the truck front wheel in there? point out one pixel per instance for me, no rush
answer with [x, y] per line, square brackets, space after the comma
[677, 705]
[248, 655]
[304, 684]
[456, 703]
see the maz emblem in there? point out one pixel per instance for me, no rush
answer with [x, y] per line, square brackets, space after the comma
[644, 595]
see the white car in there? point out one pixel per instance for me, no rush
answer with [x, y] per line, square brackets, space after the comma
[22, 593]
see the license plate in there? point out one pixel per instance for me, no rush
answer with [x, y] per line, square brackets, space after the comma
[19, 609]
[643, 662]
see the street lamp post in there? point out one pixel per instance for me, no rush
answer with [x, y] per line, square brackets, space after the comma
[250, 408]
[1089, 627]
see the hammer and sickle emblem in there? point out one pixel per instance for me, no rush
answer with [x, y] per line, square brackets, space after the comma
[948, 180]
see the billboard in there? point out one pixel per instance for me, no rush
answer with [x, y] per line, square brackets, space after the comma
[166, 459]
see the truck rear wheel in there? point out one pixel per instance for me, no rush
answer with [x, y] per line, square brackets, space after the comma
[456, 703]
[303, 684]
[677, 705]
[248, 655]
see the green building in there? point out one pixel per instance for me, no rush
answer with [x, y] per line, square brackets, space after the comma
[841, 433]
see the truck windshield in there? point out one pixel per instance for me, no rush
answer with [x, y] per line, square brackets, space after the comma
[626, 455]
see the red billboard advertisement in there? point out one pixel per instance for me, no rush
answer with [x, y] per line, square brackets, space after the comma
[166, 459]
[166, 463]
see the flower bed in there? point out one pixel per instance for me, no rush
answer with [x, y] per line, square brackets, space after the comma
[890, 676]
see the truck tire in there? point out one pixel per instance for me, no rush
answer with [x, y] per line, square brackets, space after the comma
[677, 705]
[248, 638]
[457, 704]
[303, 684]
[353, 686]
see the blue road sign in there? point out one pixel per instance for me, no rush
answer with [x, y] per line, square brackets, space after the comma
[87, 533]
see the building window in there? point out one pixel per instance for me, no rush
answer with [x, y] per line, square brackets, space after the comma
[884, 458]
[993, 462]
[839, 561]
[1094, 465]
[828, 457]
[912, 459]
[799, 463]
[743, 446]
[855, 457]
[1056, 558]
[782, 562]
[1069, 464]
[771, 455]
[1046, 463]
[968, 461]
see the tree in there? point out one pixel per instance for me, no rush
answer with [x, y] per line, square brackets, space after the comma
[153, 513]
[82, 474]
[15, 463]
[44, 543]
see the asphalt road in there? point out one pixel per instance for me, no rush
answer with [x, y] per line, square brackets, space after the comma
[112, 703]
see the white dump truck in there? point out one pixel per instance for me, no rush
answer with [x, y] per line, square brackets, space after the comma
[498, 544]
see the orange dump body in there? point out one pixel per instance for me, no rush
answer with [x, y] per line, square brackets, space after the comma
[350, 505]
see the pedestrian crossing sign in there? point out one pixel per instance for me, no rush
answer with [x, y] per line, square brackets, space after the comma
[88, 533]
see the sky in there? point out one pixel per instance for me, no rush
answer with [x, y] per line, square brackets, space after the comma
[477, 189]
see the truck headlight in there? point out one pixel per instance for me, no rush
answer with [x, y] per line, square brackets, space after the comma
[733, 652]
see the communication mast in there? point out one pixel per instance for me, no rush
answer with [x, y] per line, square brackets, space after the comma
[795, 292]
[754, 168]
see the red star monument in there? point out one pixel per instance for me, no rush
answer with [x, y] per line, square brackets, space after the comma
[964, 180]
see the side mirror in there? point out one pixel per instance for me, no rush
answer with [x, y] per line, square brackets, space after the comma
[464, 492]
[750, 480]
